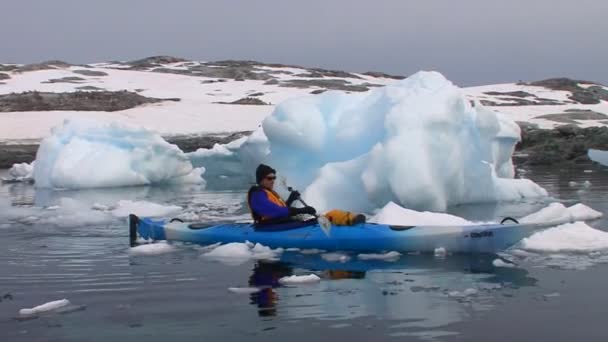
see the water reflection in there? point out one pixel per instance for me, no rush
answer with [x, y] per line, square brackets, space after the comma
[416, 291]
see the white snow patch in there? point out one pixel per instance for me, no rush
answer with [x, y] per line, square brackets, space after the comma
[45, 307]
[389, 256]
[440, 252]
[304, 279]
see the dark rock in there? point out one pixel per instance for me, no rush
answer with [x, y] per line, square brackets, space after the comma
[383, 75]
[590, 95]
[154, 61]
[334, 84]
[5, 67]
[15, 153]
[191, 143]
[247, 101]
[89, 88]
[256, 94]
[4, 76]
[44, 66]
[318, 91]
[564, 144]
[272, 82]
[518, 93]
[68, 79]
[90, 72]
[573, 115]
[106, 101]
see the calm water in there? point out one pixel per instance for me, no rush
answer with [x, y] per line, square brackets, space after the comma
[46, 255]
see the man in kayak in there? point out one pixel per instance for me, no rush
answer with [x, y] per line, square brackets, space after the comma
[267, 206]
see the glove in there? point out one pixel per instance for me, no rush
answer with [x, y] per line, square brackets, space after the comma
[293, 196]
[305, 210]
[309, 211]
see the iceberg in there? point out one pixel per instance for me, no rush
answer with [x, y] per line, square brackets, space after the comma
[419, 142]
[91, 154]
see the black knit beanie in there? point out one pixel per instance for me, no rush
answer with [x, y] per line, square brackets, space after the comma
[263, 171]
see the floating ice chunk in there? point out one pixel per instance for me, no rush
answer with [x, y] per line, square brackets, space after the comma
[160, 247]
[244, 290]
[598, 156]
[572, 184]
[143, 208]
[558, 213]
[70, 212]
[389, 256]
[311, 251]
[552, 295]
[395, 214]
[54, 305]
[462, 294]
[586, 184]
[335, 257]
[440, 252]
[91, 154]
[575, 237]
[237, 253]
[22, 172]
[304, 279]
[501, 263]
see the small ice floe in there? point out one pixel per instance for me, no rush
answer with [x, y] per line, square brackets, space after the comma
[588, 171]
[160, 247]
[22, 172]
[50, 306]
[586, 184]
[558, 213]
[575, 237]
[572, 184]
[389, 256]
[463, 294]
[502, 263]
[335, 257]
[292, 250]
[243, 290]
[440, 252]
[143, 208]
[552, 295]
[304, 279]
[237, 253]
[312, 251]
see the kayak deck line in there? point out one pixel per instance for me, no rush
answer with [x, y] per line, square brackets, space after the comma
[364, 237]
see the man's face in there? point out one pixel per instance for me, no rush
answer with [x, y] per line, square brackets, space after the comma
[268, 181]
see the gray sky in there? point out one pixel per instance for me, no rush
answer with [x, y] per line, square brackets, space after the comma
[470, 41]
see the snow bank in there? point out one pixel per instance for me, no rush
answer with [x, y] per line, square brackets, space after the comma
[295, 279]
[237, 253]
[575, 237]
[143, 208]
[45, 307]
[598, 156]
[22, 172]
[557, 212]
[418, 142]
[91, 154]
[395, 214]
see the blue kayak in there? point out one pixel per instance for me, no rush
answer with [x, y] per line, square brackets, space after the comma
[362, 238]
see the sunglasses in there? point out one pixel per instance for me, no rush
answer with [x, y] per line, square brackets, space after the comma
[271, 178]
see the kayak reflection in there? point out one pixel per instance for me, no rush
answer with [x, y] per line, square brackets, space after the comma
[370, 280]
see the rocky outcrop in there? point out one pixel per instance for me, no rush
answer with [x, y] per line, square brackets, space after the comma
[564, 144]
[107, 101]
[94, 73]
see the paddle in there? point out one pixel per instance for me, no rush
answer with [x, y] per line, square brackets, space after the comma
[324, 222]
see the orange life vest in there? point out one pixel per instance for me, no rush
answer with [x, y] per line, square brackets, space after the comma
[272, 197]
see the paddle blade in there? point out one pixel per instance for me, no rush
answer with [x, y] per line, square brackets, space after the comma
[325, 224]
